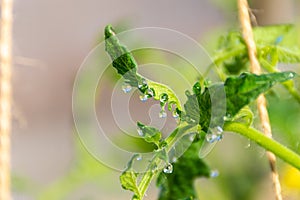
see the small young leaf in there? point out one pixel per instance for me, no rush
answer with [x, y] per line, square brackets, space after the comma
[122, 59]
[150, 134]
[242, 90]
[275, 44]
[128, 180]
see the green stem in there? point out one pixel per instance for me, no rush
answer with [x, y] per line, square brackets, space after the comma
[268, 143]
[171, 139]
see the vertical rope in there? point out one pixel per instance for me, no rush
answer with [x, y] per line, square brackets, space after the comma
[261, 101]
[5, 97]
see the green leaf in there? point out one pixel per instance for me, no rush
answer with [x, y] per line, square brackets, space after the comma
[198, 107]
[129, 182]
[149, 134]
[126, 66]
[122, 59]
[128, 179]
[180, 183]
[275, 44]
[242, 90]
[231, 53]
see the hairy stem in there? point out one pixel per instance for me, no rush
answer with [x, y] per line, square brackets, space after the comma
[261, 100]
[275, 147]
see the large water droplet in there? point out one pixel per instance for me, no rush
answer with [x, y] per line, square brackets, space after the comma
[162, 114]
[214, 134]
[126, 88]
[143, 97]
[214, 173]
[175, 113]
[168, 169]
[140, 132]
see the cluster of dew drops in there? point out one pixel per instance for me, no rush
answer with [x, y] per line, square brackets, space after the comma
[215, 134]
[147, 93]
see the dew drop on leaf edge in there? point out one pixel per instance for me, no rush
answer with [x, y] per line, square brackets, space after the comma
[214, 173]
[291, 75]
[175, 113]
[139, 157]
[143, 97]
[143, 85]
[126, 88]
[150, 92]
[192, 137]
[140, 131]
[168, 169]
[163, 98]
[214, 134]
[174, 159]
[162, 114]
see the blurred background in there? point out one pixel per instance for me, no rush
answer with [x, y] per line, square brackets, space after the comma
[51, 40]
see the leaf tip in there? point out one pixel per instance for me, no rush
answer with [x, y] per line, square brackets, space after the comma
[109, 31]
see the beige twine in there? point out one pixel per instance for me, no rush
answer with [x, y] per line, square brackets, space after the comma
[5, 97]
[261, 101]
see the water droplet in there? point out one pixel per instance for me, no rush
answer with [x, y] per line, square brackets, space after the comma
[214, 134]
[163, 98]
[175, 113]
[168, 169]
[139, 157]
[197, 88]
[248, 145]
[192, 120]
[153, 168]
[140, 132]
[278, 39]
[150, 92]
[174, 159]
[291, 75]
[143, 86]
[126, 88]
[214, 173]
[162, 114]
[143, 82]
[211, 138]
[227, 117]
[143, 97]
[192, 137]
